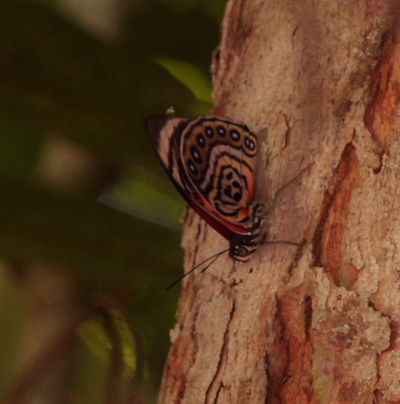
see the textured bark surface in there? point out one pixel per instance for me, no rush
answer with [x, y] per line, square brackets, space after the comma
[319, 82]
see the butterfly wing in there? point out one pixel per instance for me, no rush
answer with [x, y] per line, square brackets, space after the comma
[164, 131]
[221, 160]
[213, 163]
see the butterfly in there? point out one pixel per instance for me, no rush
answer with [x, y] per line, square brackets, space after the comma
[215, 164]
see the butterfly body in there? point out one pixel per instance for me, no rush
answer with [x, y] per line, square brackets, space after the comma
[214, 164]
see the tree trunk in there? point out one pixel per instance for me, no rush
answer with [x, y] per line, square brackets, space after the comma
[319, 82]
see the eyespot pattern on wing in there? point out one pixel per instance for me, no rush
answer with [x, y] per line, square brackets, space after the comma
[214, 163]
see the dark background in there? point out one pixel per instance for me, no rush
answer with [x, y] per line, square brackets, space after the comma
[89, 223]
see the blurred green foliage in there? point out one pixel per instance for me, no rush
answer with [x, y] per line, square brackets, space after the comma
[190, 76]
[95, 336]
[112, 226]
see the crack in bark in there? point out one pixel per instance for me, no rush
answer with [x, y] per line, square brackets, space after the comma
[198, 232]
[308, 312]
[381, 111]
[221, 385]
[297, 257]
[275, 372]
[328, 235]
[222, 357]
[181, 392]
[286, 357]
[288, 131]
[394, 334]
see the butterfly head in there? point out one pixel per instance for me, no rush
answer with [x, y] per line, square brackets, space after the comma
[240, 249]
[240, 252]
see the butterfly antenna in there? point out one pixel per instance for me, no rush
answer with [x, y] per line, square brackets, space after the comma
[211, 259]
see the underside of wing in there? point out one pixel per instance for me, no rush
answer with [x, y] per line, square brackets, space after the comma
[164, 131]
[213, 162]
[221, 157]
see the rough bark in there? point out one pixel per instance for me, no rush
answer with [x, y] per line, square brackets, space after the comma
[319, 81]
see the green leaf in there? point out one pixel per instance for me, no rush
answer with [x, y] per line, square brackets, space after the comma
[94, 334]
[190, 76]
[145, 200]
